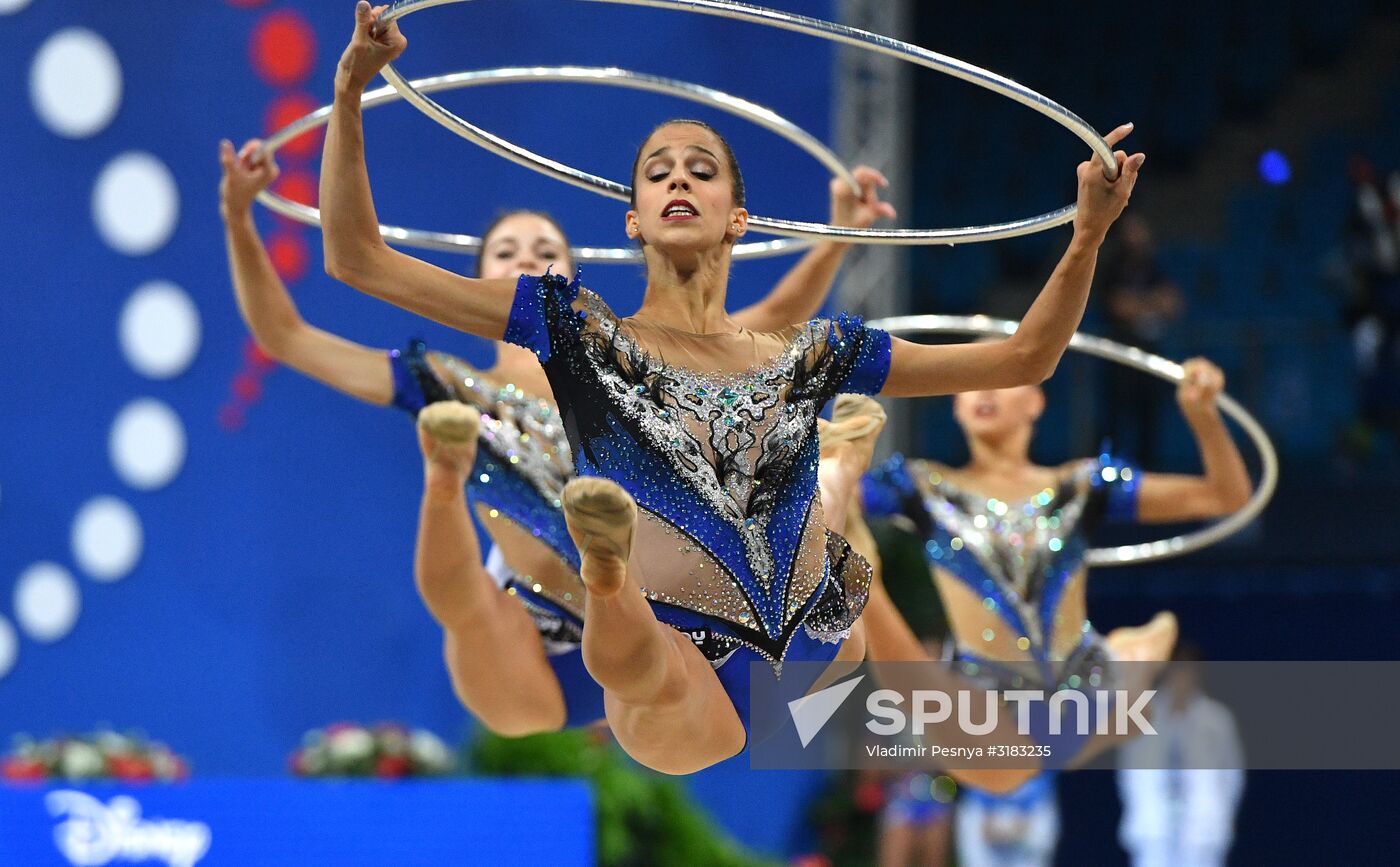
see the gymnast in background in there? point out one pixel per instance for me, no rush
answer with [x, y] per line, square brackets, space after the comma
[512, 626]
[1006, 539]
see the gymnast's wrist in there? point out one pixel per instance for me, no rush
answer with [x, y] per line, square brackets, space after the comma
[1086, 240]
[235, 212]
[1196, 412]
[347, 84]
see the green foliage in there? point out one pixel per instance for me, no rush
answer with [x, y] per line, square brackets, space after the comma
[846, 834]
[642, 817]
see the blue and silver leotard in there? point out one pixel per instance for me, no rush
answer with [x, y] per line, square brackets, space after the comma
[522, 464]
[715, 438]
[1018, 559]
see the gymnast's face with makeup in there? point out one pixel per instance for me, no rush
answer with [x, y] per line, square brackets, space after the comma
[996, 415]
[687, 192]
[524, 242]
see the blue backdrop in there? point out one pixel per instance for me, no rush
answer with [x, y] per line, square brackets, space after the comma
[274, 593]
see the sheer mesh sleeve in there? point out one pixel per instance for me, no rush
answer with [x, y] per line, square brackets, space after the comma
[862, 355]
[415, 383]
[543, 305]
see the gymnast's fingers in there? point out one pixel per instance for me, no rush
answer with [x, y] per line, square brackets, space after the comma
[869, 178]
[871, 184]
[380, 32]
[249, 155]
[267, 169]
[869, 187]
[1114, 136]
[1212, 378]
[1117, 134]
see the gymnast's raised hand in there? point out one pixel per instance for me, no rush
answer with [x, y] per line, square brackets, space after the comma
[860, 210]
[1100, 200]
[371, 48]
[245, 175]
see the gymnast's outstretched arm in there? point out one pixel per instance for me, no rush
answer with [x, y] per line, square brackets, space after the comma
[354, 252]
[267, 306]
[802, 291]
[1224, 485]
[1031, 355]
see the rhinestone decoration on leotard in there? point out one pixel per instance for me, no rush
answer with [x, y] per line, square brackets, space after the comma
[1018, 557]
[722, 465]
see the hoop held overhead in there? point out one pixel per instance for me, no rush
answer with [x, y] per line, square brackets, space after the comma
[458, 243]
[1147, 363]
[819, 28]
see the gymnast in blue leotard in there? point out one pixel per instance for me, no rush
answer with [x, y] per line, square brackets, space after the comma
[705, 427]
[1005, 539]
[513, 468]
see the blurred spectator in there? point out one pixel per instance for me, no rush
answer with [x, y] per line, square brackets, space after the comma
[1140, 304]
[1181, 788]
[916, 821]
[1020, 829]
[1373, 313]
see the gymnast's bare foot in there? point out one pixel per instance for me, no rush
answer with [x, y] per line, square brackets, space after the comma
[602, 518]
[850, 437]
[447, 433]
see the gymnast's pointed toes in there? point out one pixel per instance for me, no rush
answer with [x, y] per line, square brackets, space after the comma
[450, 421]
[602, 519]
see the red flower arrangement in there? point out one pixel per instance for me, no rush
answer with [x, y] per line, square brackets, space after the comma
[387, 751]
[103, 755]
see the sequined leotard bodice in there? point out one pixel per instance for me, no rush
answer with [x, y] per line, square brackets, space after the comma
[1018, 558]
[722, 463]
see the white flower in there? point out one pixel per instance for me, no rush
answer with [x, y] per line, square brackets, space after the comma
[428, 750]
[80, 761]
[163, 764]
[113, 744]
[350, 745]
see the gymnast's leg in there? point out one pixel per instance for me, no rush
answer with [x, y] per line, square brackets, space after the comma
[664, 702]
[1139, 652]
[492, 649]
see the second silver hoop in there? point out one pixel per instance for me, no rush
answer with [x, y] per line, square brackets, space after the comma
[459, 243]
[1156, 365]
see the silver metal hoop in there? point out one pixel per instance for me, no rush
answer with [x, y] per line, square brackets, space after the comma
[1147, 363]
[813, 27]
[450, 242]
